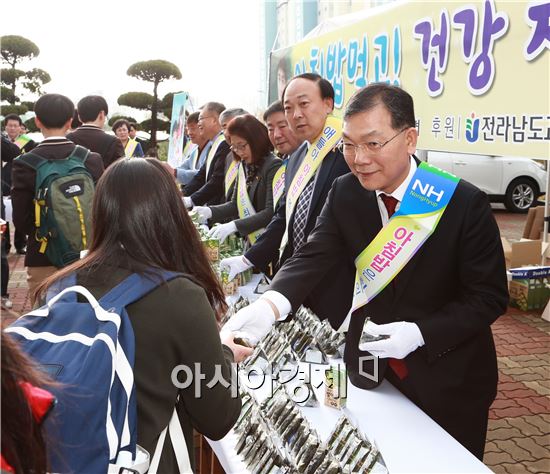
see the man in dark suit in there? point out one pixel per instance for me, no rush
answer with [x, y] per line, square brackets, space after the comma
[206, 188]
[16, 132]
[93, 110]
[308, 100]
[437, 310]
[54, 114]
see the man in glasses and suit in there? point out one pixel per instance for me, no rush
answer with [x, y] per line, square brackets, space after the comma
[429, 270]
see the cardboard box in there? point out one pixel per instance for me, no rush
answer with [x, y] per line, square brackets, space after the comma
[530, 287]
[524, 252]
[534, 223]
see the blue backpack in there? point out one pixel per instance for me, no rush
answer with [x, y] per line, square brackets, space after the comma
[88, 348]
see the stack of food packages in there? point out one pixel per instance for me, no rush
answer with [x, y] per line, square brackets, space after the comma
[216, 251]
[274, 436]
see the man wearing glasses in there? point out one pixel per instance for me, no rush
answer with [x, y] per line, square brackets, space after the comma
[206, 188]
[431, 278]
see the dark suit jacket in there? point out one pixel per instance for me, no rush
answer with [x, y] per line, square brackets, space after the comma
[329, 298]
[453, 289]
[261, 196]
[89, 136]
[208, 190]
[24, 187]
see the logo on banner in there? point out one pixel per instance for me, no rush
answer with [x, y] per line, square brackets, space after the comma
[472, 128]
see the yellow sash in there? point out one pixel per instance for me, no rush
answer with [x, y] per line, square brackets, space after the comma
[323, 144]
[21, 141]
[130, 148]
[424, 202]
[231, 175]
[279, 184]
[244, 205]
[213, 149]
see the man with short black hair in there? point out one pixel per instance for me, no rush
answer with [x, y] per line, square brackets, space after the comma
[93, 111]
[15, 130]
[132, 133]
[429, 266]
[206, 188]
[308, 102]
[54, 114]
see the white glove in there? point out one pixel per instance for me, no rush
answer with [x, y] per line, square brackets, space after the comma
[187, 202]
[204, 213]
[221, 232]
[236, 265]
[252, 322]
[404, 339]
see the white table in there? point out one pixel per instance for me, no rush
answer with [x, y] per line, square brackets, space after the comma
[408, 439]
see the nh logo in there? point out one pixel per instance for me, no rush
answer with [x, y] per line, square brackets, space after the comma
[427, 190]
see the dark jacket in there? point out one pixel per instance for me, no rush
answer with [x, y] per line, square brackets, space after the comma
[325, 298]
[207, 190]
[108, 146]
[453, 288]
[24, 188]
[260, 192]
[174, 325]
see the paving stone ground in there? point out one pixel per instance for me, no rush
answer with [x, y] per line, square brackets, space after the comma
[518, 439]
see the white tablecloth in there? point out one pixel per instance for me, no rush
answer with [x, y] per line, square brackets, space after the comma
[408, 439]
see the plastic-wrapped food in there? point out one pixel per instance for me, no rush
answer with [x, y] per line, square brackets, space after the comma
[250, 455]
[288, 419]
[352, 447]
[329, 466]
[307, 452]
[317, 459]
[369, 462]
[342, 440]
[337, 430]
[291, 431]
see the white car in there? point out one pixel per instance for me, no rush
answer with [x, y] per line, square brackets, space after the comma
[516, 182]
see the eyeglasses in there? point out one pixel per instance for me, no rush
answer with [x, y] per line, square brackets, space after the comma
[238, 148]
[349, 150]
[204, 118]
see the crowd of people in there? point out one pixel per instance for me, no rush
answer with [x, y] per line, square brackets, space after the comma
[310, 193]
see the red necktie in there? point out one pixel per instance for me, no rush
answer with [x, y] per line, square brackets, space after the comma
[397, 365]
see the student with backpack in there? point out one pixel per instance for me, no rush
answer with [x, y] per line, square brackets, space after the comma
[52, 188]
[145, 255]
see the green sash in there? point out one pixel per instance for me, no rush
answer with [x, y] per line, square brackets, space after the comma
[231, 175]
[130, 148]
[424, 202]
[21, 141]
[213, 149]
[244, 205]
[279, 184]
[331, 135]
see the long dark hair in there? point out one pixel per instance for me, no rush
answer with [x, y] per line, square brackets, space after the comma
[23, 443]
[139, 221]
[249, 128]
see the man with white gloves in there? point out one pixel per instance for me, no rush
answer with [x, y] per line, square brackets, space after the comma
[308, 102]
[430, 279]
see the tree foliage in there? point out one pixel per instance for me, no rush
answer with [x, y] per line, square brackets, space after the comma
[162, 125]
[137, 100]
[35, 79]
[31, 125]
[113, 119]
[155, 71]
[13, 109]
[15, 48]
